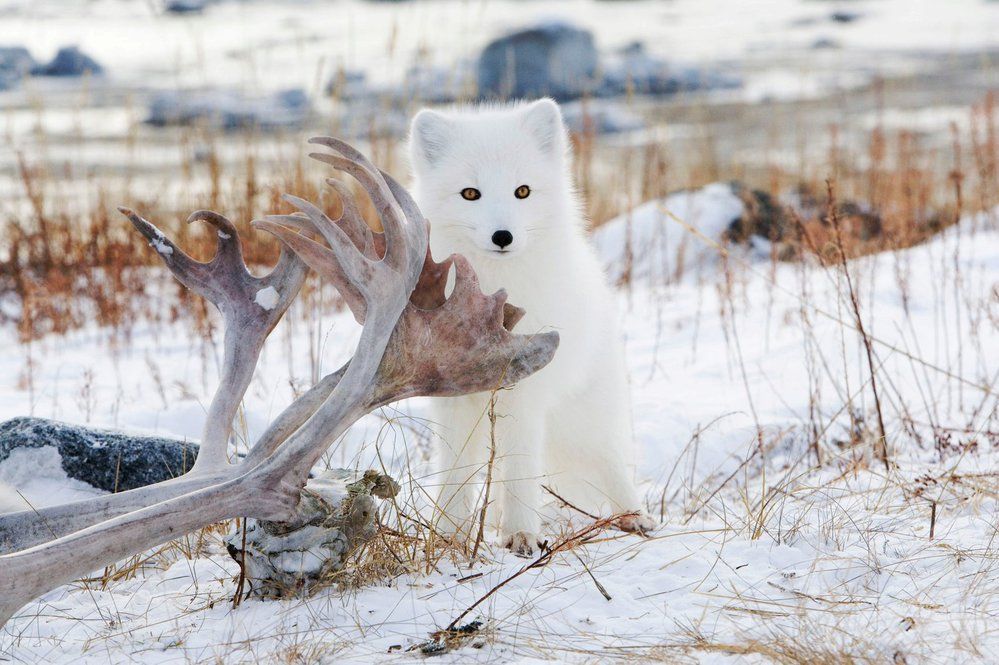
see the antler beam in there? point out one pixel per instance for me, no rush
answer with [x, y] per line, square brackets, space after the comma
[414, 342]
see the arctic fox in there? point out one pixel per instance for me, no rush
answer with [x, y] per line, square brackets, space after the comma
[495, 184]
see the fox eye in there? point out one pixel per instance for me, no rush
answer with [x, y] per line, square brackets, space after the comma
[522, 192]
[471, 194]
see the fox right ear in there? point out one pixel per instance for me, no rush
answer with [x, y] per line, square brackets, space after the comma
[428, 138]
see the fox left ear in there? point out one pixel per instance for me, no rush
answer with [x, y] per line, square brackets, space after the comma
[543, 119]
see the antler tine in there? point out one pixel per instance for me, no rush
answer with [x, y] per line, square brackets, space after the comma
[228, 253]
[297, 220]
[321, 259]
[351, 220]
[189, 272]
[354, 265]
[400, 246]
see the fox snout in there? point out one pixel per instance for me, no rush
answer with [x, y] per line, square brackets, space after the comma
[502, 238]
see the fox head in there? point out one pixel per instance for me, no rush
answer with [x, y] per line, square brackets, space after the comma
[492, 181]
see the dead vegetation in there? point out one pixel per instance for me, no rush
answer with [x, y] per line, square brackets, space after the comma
[840, 481]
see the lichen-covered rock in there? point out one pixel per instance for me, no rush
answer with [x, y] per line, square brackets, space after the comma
[555, 59]
[108, 460]
[337, 513]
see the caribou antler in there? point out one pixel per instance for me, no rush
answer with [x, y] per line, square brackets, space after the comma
[414, 342]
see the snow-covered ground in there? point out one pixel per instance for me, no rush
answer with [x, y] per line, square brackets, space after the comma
[737, 366]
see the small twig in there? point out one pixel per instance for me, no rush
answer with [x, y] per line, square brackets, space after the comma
[569, 505]
[566, 543]
[238, 598]
[933, 518]
[881, 449]
[489, 475]
[600, 587]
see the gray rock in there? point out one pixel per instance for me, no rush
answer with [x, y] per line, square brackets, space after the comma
[185, 6]
[439, 85]
[349, 85]
[108, 460]
[635, 70]
[555, 59]
[228, 110]
[601, 117]
[337, 513]
[15, 63]
[70, 61]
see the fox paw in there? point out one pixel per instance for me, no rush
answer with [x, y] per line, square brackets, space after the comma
[522, 543]
[640, 523]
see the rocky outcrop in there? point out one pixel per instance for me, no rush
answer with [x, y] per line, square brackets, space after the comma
[104, 459]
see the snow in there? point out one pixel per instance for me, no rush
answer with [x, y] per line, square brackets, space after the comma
[160, 245]
[733, 364]
[651, 246]
[267, 298]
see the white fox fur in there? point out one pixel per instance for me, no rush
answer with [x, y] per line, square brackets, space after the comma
[568, 427]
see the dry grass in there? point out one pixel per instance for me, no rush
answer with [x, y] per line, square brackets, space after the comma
[63, 271]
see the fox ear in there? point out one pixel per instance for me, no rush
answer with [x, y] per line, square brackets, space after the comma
[543, 119]
[429, 137]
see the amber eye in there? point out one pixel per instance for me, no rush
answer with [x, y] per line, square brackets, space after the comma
[471, 194]
[522, 192]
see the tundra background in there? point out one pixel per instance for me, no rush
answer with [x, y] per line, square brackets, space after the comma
[812, 349]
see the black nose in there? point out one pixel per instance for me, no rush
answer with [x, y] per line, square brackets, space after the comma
[502, 238]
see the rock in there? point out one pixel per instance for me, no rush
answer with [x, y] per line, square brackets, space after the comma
[15, 63]
[601, 117]
[108, 460]
[555, 59]
[337, 513]
[70, 61]
[185, 6]
[228, 110]
[439, 85]
[348, 85]
[824, 43]
[635, 70]
[763, 217]
[844, 17]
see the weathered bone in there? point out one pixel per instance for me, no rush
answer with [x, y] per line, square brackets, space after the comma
[414, 342]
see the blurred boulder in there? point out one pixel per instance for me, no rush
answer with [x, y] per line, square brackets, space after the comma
[104, 459]
[844, 17]
[600, 117]
[825, 43]
[229, 110]
[185, 6]
[555, 59]
[15, 63]
[70, 61]
[763, 217]
[349, 85]
[440, 85]
[633, 69]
